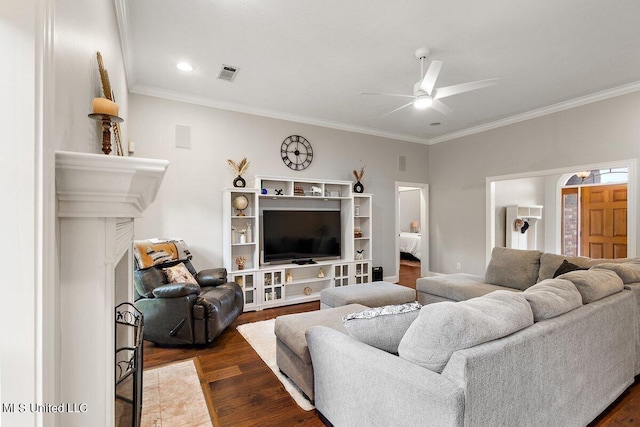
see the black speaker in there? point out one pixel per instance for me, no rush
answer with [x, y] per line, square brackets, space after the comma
[376, 272]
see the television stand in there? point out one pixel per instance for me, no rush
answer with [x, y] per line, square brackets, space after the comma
[281, 283]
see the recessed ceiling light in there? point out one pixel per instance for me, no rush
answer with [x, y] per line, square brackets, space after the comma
[184, 66]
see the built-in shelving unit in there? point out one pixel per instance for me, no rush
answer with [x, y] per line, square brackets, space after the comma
[266, 285]
[515, 238]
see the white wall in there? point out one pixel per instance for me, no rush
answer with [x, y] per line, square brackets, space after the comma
[189, 202]
[81, 29]
[19, 340]
[604, 131]
[409, 209]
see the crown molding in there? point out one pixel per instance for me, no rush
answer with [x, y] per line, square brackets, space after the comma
[273, 114]
[562, 106]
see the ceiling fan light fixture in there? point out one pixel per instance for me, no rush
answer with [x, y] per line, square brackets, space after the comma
[422, 102]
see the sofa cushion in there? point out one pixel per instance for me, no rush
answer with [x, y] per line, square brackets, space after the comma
[594, 284]
[145, 281]
[549, 263]
[513, 268]
[566, 267]
[552, 297]
[629, 272]
[179, 274]
[444, 327]
[458, 286]
[382, 327]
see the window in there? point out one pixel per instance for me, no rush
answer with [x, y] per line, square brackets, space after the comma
[600, 176]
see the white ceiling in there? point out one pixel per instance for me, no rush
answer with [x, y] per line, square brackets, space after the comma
[307, 60]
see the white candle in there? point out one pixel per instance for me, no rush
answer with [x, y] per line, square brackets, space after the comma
[105, 106]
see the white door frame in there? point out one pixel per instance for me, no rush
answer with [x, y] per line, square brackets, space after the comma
[424, 226]
[632, 188]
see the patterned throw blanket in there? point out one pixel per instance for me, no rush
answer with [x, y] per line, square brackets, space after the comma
[152, 252]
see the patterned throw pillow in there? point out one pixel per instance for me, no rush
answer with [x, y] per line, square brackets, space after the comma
[382, 327]
[179, 274]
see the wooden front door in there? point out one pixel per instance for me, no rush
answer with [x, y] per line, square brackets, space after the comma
[604, 221]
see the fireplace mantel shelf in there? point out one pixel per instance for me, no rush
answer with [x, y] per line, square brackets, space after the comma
[100, 186]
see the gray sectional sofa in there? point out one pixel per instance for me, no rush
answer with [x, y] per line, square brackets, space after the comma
[552, 353]
[516, 270]
[508, 269]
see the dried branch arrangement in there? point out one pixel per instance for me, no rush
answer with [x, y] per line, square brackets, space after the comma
[104, 78]
[240, 167]
[359, 175]
[108, 93]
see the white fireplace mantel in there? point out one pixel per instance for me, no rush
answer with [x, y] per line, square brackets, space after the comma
[95, 185]
[98, 198]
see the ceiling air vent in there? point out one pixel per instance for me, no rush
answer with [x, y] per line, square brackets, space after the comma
[228, 72]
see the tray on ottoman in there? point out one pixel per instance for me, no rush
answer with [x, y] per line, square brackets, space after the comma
[374, 294]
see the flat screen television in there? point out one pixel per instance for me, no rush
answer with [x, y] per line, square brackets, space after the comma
[289, 235]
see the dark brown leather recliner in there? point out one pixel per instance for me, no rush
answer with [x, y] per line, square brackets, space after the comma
[183, 313]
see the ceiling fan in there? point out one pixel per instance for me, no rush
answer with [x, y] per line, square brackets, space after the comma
[424, 93]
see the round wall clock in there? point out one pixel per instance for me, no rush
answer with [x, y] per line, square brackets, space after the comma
[296, 152]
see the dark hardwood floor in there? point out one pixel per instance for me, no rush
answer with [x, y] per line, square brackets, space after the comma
[241, 390]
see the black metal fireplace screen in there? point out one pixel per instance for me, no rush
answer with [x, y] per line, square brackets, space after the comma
[129, 327]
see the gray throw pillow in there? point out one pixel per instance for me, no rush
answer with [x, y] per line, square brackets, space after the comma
[513, 268]
[552, 297]
[628, 272]
[594, 284]
[382, 327]
[444, 327]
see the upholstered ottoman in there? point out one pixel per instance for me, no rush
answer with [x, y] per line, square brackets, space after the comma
[292, 354]
[373, 294]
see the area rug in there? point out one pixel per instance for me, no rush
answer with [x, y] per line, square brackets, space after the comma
[172, 396]
[261, 337]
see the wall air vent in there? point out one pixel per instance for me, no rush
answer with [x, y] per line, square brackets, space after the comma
[228, 72]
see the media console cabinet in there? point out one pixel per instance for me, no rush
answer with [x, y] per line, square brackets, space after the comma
[271, 285]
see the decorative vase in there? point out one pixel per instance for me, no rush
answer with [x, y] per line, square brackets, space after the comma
[358, 187]
[239, 182]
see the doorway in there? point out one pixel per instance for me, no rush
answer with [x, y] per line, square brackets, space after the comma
[594, 209]
[412, 226]
[554, 180]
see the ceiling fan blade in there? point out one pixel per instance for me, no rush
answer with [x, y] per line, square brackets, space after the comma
[387, 94]
[399, 108]
[443, 92]
[430, 77]
[440, 107]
